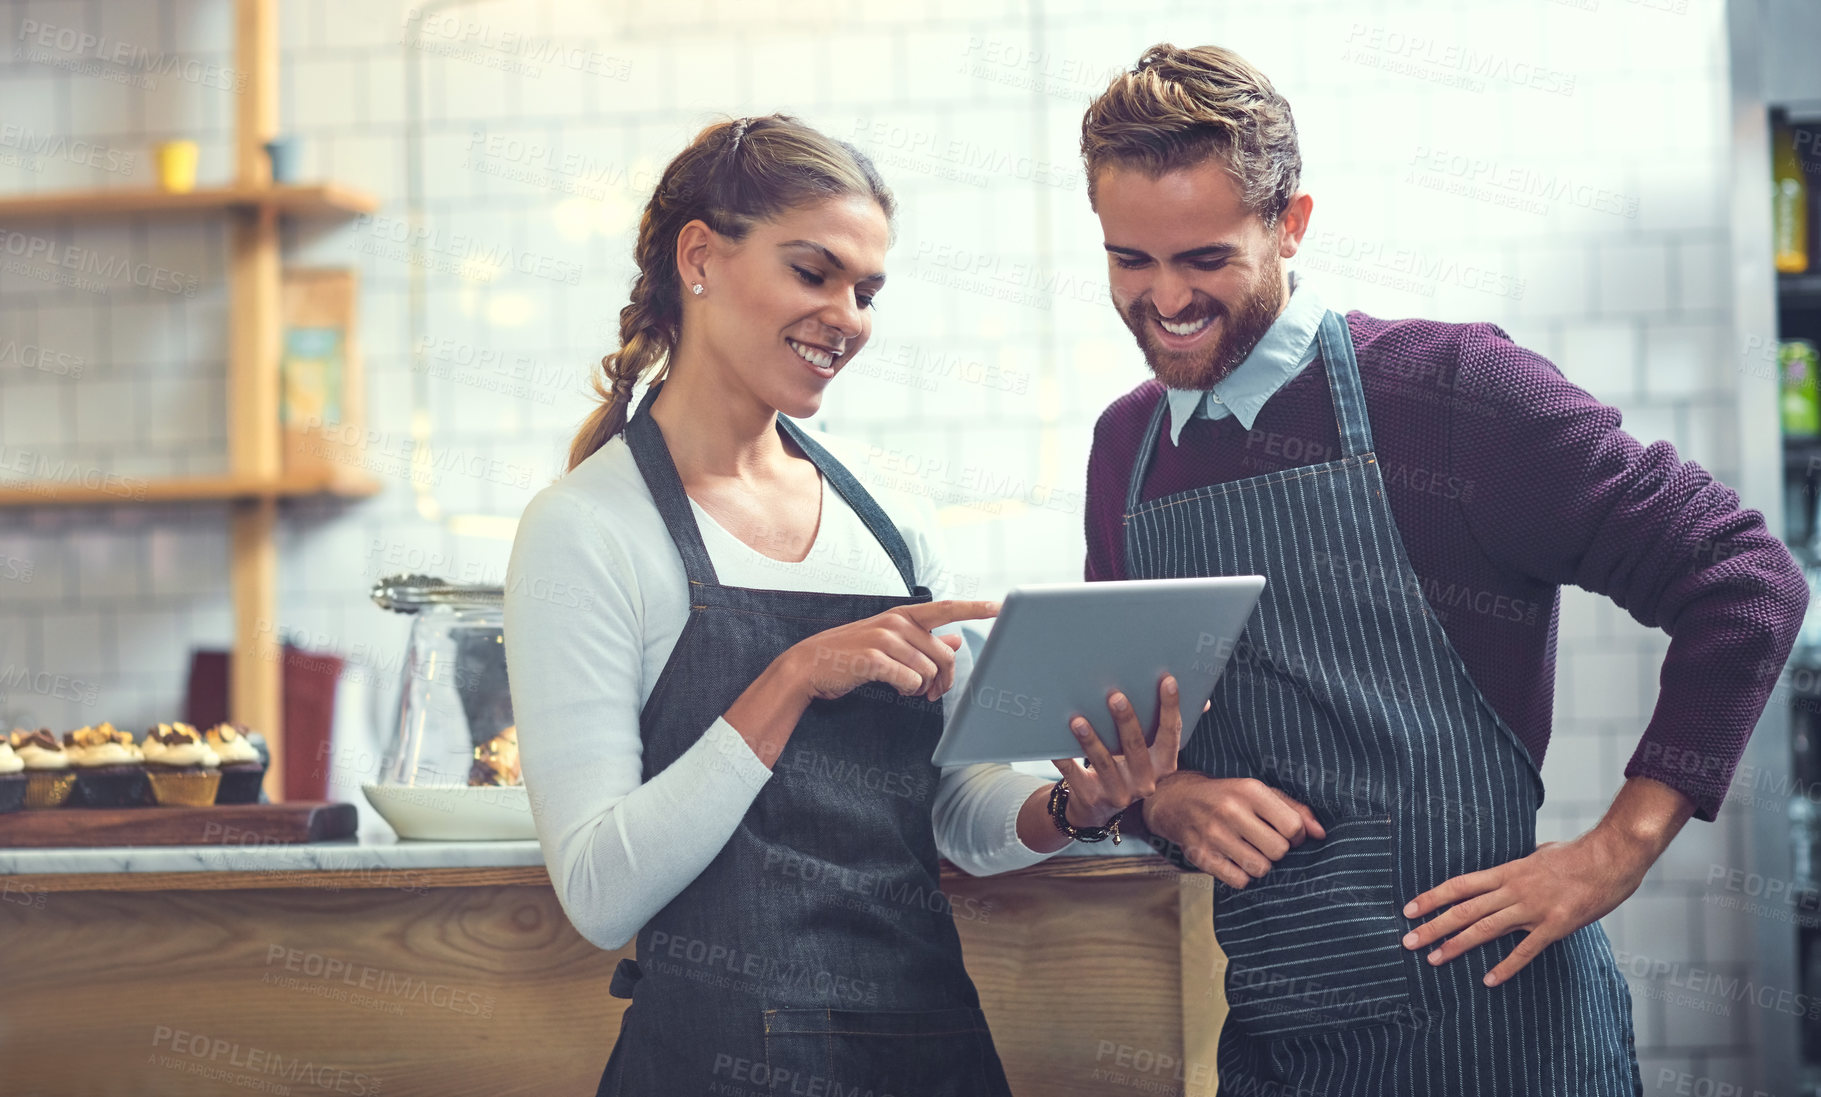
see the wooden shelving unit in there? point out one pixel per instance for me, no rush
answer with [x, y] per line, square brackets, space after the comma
[289, 199]
[187, 489]
[1798, 292]
[256, 479]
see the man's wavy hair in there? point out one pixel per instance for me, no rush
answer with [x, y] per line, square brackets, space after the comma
[1180, 107]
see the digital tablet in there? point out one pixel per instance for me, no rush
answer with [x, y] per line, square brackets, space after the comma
[1057, 649]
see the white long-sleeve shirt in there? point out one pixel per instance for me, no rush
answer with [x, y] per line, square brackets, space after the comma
[595, 599]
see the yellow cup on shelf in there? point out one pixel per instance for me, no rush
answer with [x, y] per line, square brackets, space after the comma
[176, 165]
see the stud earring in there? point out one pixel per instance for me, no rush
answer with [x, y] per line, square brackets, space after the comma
[696, 289]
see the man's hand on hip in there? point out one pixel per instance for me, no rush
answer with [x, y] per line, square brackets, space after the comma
[1556, 890]
[1233, 829]
[1553, 892]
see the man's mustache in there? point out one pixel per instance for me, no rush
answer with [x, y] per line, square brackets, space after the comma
[1189, 315]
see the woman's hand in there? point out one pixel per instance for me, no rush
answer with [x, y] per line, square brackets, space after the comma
[896, 647]
[1114, 782]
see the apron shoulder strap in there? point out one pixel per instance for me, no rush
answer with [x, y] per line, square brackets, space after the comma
[859, 499]
[1349, 396]
[1344, 385]
[1147, 446]
[646, 439]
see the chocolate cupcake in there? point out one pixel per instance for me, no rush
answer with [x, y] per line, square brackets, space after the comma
[242, 770]
[49, 780]
[12, 778]
[181, 769]
[110, 770]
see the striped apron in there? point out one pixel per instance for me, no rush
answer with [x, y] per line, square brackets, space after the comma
[1345, 692]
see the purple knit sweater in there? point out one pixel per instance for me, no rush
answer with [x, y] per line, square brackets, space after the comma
[1507, 481]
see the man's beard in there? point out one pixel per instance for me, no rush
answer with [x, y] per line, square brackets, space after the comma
[1239, 332]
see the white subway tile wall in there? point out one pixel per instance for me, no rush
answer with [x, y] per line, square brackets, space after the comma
[1555, 167]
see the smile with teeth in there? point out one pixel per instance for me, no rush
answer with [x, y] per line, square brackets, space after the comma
[815, 356]
[1189, 328]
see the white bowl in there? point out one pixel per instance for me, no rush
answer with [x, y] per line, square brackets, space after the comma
[454, 813]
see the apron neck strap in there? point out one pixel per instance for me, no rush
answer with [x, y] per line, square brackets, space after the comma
[858, 498]
[1354, 429]
[646, 440]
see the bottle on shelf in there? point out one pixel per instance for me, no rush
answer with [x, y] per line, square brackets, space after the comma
[1798, 368]
[1789, 203]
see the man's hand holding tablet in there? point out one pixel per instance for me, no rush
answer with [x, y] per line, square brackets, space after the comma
[1059, 651]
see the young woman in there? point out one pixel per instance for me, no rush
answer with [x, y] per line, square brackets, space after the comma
[726, 674]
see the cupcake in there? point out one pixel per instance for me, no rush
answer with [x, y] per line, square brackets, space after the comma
[180, 766]
[12, 778]
[48, 777]
[496, 761]
[242, 771]
[110, 770]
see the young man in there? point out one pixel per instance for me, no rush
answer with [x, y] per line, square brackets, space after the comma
[1366, 785]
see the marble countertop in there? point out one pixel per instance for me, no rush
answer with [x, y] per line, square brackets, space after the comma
[380, 851]
[367, 852]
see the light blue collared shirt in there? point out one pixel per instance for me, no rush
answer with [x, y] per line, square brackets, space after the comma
[1287, 346]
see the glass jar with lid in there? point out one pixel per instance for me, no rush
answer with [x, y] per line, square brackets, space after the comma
[451, 770]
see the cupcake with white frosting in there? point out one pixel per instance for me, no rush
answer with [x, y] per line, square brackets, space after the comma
[12, 778]
[242, 770]
[49, 779]
[182, 768]
[110, 769]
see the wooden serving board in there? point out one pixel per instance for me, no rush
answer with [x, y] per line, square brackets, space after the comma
[216, 825]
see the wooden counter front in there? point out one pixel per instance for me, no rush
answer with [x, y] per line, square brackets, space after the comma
[1099, 976]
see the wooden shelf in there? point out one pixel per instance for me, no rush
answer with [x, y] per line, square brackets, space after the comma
[1799, 291]
[298, 200]
[183, 489]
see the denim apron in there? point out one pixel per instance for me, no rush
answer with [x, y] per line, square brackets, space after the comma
[816, 953]
[1345, 692]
